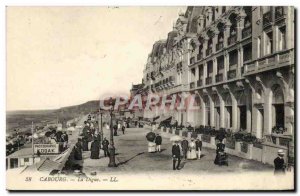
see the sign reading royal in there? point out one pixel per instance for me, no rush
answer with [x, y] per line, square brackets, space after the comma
[45, 149]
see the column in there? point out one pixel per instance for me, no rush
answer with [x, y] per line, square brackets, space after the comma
[268, 112]
[226, 65]
[215, 41]
[196, 75]
[214, 70]
[249, 109]
[201, 22]
[204, 73]
[202, 111]
[205, 46]
[240, 25]
[212, 112]
[275, 39]
[234, 111]
[222, 112]
[227, 33]
[240, 62]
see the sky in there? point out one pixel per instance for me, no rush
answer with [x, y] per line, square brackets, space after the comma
[63, 56]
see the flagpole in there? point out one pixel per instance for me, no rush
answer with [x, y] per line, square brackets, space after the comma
[32, 142]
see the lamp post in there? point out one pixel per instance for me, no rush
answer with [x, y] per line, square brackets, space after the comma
[111, 148]
[100, 124]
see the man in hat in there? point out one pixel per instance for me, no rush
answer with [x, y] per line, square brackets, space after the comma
[279, 163]
[158, 140]
[199, 147]
[185, 147]
[176, 155]
[105, 144]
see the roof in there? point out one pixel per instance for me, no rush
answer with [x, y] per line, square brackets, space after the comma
[23, 152]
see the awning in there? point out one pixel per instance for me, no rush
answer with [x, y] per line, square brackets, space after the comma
[155, 118]
[164, 119]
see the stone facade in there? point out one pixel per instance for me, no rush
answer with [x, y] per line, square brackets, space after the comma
[237, 61]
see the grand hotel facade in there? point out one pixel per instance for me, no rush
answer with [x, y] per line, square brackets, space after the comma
[237, 61]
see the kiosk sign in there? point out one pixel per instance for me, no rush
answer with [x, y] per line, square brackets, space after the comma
[46, 148]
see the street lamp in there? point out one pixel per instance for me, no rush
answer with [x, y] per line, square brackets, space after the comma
[111, 148]
[100, 124]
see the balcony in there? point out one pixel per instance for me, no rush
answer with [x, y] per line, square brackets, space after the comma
[208, 51]
[219, 46]
[231, 74]
[192, 85]
[179, 66]
[192, 60]
[267, 18]
[208, 80]
[199, 83]
[219, 77]
[232, 39]
[279, 13]
[200, 56]
[246, 32]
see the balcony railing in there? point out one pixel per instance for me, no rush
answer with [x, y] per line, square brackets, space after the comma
[246, 32]
[199, 83]
[208, 51]
[219, 77]
[279, 12]
[219, 46]
[231, 74]
[208, 80]
[267, 18]
[232, 39]
[192, 60]
[200, 56]
[192, 85]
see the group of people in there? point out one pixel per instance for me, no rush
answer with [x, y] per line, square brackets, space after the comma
[155, 146]
[190, 150]
[120, 126]
[90, 135]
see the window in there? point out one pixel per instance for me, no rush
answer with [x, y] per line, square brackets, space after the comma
[247, 52]
[282, 38]
[233, 58]
[26, 159]
[209, 67]
[220, 63]
[200, 71]
[269, 43]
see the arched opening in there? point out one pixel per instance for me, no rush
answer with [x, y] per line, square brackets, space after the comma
[209, 43]
[228, 110]
[197, 113]
[207, 110]
[277, 106]
[242, 110]
[216, 101]
[220, 45]
[200, 54]
[233, 29]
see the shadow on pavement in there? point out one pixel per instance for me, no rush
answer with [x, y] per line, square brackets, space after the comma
[124, 162]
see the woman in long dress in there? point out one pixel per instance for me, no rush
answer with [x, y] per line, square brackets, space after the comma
[191, 154]
[95, 149]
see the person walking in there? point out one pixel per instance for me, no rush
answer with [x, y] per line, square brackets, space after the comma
[158, 141]
[279, 165]
[95, 149]
[220, 149]
[78, 150]
[105, 144]
[184, 146]
[191, 154]
[85, 144]
[199, 147]
[176, 155]
[123, 129]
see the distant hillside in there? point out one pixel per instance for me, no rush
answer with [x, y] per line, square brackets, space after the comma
[22, 119]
